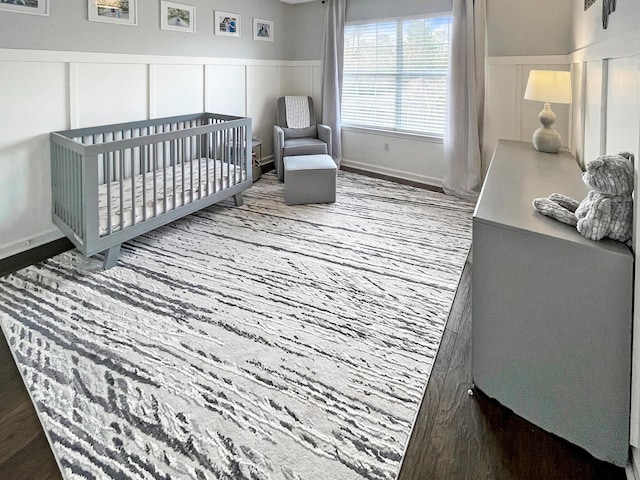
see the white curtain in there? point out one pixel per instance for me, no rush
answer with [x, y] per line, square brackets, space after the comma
[463, 141]
[333, 63]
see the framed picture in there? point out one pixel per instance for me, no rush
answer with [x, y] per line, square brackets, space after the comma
[262, 30]
[34, 7]
[124, 12]
[225, 23]
[178, 17]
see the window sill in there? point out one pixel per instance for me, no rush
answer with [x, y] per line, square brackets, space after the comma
[390, 133]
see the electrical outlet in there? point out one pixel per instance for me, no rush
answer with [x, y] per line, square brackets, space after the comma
[387, 147]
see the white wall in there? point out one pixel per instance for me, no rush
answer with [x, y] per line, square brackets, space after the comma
[507, 114]
[607, 68]
[522, 36]
[62, 71]
[401, 156]
[44, 91]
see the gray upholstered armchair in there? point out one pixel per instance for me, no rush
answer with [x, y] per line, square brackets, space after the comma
[312, 140]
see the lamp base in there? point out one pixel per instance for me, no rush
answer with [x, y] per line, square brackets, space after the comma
[546, 140]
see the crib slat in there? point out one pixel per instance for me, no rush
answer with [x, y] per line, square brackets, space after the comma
[143, 167]
[183, 159]
[208, 158]
[173, 162]
[217, 155]
[133, 190]
[109, 161]
[67, 189]
[155, 179]
[189, 158]
[206, 165]
[75, 201]
[121, 186]
[236, 157]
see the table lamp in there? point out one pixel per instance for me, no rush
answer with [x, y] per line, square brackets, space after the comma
[549, 87]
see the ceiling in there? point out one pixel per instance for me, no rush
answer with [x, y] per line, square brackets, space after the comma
[296, 1]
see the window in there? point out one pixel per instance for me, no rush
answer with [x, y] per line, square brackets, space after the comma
[395, 75]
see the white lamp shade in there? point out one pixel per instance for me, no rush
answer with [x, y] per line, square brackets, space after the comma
[549, 86]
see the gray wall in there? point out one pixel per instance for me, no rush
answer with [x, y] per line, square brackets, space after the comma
[67, 29]
[525, 27]
[304, 31]
[587, 26]
[358, 10]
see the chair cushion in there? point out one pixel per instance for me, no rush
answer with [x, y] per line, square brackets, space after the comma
[311, 132]
[304, 146]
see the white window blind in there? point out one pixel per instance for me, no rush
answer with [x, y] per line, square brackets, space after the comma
[395, 75]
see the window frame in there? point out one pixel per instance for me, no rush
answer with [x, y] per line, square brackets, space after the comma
[395, 132]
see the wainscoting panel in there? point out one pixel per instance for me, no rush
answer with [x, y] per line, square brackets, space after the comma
[225, 89]
[316, 92]
[508, 115]
[296, 80]
[595, 119]
[263, 89]
[45, 91]
[101, 86]
[177, 90]
[578, 80]
[530, 110]
[611, 99]
[34, 102]
[623, 105]
[500, 108]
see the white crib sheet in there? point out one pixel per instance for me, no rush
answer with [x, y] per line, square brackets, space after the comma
[184, 194]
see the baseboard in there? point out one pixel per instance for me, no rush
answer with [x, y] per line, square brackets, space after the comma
[393, 173]
[633, 469]
[28, 243]
[34, 255]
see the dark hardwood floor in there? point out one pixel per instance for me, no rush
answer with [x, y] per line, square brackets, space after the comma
[24, 449]
[456, 436]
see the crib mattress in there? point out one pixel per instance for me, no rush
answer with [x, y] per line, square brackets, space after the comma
[135, 208]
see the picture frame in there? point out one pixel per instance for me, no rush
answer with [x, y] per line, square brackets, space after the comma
[227, 24]
[263, 30]
[123, 12]
[31, 7]
[177, 17]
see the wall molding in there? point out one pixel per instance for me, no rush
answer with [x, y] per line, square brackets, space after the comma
[391, 172]
[529, 60]
[156, 77]
[30, 242]
[54, 56]
[623, 45]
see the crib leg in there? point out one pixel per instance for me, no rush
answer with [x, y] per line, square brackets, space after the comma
[111, 257]
[238, 199]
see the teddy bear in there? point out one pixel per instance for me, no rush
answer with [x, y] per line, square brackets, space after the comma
[608, 209]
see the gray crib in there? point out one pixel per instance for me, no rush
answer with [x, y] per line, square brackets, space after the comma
[114, 182]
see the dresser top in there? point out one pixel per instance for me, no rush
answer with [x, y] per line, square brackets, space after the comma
[519, 173]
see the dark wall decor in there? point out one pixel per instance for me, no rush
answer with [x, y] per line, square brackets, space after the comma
[588, 3]
[608, 7]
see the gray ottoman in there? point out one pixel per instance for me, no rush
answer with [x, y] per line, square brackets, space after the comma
[309, 179]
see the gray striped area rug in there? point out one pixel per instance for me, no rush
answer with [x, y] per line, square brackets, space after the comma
[258, 342]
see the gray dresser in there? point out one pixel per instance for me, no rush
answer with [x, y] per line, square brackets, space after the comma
[552, 311]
